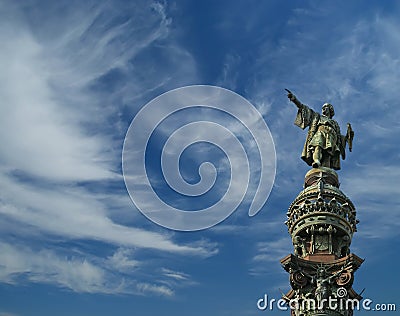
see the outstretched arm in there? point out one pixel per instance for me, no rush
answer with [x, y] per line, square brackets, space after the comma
[305, 115]
[293, 98]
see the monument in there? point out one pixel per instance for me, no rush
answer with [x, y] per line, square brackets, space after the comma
[321, 221]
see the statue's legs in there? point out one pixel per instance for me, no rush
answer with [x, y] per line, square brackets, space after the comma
[317, 155]
[326, 161]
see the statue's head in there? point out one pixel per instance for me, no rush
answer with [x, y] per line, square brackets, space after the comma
[328, 110]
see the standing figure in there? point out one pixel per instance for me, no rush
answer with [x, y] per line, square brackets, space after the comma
[324, 143]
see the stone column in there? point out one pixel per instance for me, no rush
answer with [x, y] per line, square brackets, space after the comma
[321, 221]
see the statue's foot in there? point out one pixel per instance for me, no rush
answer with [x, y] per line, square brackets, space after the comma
[316, 164]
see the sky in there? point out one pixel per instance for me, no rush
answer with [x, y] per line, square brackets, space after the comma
[73, 76]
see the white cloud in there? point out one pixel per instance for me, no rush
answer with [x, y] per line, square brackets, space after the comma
[62, 125]
[53, 110]
[148, 288]
[122, 260]
[82, 273]
[77, 214]
[176, 275]
[374, 190]
[230, 73]
[39, 136]
[46, 267]
[272, 250]
[268, 254]
[7, 314]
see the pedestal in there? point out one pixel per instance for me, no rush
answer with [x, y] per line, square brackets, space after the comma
[321, 221]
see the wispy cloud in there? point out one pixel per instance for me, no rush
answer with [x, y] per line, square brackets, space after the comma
[148, 288]
[267, 256]
[375, 192]
[83, 273]
[46, 267]
[7, 314]
[175, 274]
[67, 81]
[230, 73]
[122, 260]
[77, 214]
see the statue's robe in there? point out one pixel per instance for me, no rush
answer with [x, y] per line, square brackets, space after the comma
[323, 132]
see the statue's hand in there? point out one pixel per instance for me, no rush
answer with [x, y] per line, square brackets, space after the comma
[291, 96]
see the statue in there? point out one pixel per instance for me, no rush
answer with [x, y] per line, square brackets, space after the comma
[324, 143]
[323, 282]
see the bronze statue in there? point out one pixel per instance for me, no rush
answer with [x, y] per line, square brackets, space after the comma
[324, 143]
[323, 282]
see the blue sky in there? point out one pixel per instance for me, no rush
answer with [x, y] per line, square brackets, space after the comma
[73, 76]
